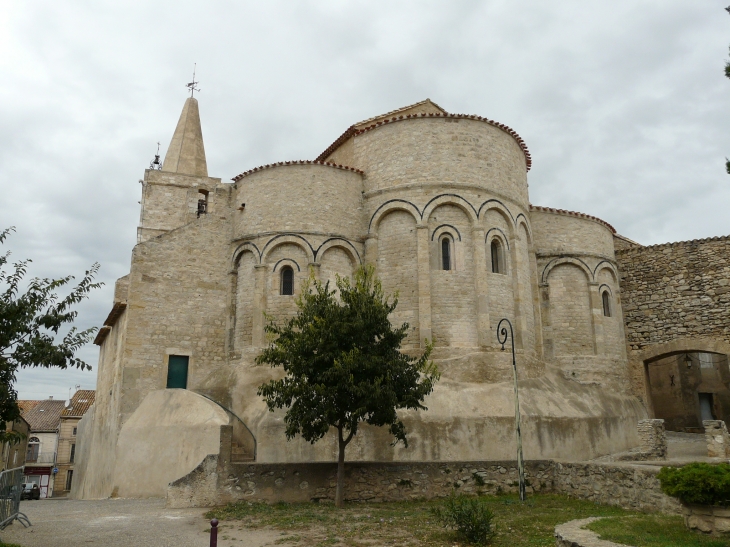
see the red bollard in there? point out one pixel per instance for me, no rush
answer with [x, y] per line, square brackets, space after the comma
[214, 533]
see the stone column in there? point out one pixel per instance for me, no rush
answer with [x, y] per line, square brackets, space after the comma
[482, 287]
[259, 305]
[718, 439]
[371, 249]
[518, 289]
[314, 269]
[653, 439]
[547, 329]
[599, 342]
[424, 285]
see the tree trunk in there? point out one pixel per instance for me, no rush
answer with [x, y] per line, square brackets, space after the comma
[339, 494]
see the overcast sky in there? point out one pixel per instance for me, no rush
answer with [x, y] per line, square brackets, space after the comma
[623, 105]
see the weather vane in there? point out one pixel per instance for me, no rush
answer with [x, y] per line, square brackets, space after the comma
[155, 163]
[192, 86]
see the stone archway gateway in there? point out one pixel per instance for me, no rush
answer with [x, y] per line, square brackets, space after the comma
[687, 381]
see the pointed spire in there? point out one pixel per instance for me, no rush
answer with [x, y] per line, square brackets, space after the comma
[186, 154]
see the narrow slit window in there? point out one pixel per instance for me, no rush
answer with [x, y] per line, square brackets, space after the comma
[606, 304]
[446, 253]
[287, 280]
[497, 262]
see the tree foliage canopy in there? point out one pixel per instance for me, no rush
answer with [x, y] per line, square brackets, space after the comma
[30, 321]
[343, 366]
[342, 362]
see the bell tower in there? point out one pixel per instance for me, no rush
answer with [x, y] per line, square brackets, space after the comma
[180, 191]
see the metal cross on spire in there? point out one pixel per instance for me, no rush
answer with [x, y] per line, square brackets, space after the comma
[192, 86]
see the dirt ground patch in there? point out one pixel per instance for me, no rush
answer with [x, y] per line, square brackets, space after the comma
[122, 523]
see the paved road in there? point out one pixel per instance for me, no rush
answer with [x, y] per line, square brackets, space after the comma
[121, 523]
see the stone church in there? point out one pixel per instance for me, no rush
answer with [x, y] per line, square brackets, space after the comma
[439, 204]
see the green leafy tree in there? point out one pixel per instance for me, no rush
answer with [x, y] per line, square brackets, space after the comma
[30, 320]
[343, 366]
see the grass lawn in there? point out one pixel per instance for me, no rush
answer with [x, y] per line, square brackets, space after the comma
[653, 531]
[408, 523]
[411, 523]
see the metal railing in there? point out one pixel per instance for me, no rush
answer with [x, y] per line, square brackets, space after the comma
[11, 488]
[43, 457]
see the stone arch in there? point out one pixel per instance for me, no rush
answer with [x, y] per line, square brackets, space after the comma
[685, 344]
[604, 286]
[451, 199]
[522, 220]
[437, 228]
[497, 232]
[286, 261]
[501, 207]
[566, 260]
[340, 243]
[243, 247]
[281, 239]
[678, 401]
[390, 206]
[606, 265]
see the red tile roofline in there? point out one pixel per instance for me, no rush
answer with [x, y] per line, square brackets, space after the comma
[352, 131]
[401, 109]
[297, 162]
[571, 214]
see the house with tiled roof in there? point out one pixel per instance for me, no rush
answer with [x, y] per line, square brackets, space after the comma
[66, 453]
[44, 418]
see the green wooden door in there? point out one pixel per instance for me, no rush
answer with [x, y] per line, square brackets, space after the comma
[177, 371]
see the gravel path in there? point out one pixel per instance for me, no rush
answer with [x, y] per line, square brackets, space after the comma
[122, 523]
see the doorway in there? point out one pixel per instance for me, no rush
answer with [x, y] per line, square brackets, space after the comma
[687, 388]
[706, 406]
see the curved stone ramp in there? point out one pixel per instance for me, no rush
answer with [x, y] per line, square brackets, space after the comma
[168, 435]
[572, 534]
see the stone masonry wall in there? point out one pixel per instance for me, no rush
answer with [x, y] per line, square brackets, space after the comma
[676, 289]
[631, 487]
[675, 298]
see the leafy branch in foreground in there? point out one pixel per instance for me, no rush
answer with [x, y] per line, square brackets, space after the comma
[30, 321]
[343, 366]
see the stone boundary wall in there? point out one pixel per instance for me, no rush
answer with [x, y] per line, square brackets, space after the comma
[629, 486]
[633, 487]
[653, 439]
[675, 289]
[717, 438]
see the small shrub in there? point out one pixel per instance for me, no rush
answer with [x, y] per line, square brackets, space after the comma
[697, 483]
[478, 479]
[469, 517]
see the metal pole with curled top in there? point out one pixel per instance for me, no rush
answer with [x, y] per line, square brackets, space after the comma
[502, 339]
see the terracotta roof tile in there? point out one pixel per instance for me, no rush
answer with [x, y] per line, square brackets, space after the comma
[571, 214]
[354, 131]
[45, 416]
[398, 111]
[296, 162]
[26, 405]
[80, 403]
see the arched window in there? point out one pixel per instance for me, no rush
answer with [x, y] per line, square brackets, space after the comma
[606, 304]
[445, 253]
[497, 259]
[287, 280]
